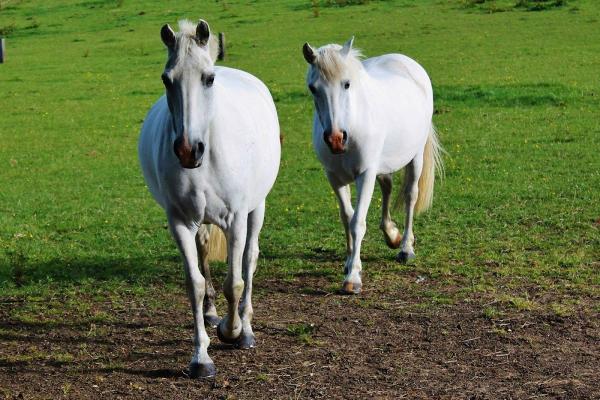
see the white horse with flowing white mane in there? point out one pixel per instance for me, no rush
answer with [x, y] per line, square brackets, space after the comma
[210, 153]
[372, 118]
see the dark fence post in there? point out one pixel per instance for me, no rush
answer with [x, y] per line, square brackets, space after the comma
[221, 55]
[1, 50]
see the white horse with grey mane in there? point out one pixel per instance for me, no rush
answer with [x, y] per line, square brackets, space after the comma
[372, 118]
[210, 151]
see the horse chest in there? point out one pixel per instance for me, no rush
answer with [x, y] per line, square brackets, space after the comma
[346, 167]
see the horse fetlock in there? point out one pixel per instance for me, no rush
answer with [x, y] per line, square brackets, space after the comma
[211, 318]
[392, 236]
[227, 331]
[202, 365]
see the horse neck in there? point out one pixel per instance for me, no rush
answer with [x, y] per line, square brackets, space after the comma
[363, 95]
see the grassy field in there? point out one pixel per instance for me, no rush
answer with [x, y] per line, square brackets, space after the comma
[513, 233]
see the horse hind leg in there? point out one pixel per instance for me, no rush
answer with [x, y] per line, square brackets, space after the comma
[203, 236]
[391, 234]
[411, 193]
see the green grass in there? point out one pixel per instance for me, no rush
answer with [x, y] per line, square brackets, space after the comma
[516, 106]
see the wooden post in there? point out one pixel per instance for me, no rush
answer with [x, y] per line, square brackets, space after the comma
[1, 50]
[221, 55]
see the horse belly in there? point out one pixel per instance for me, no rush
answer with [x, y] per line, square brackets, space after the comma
[149, 149]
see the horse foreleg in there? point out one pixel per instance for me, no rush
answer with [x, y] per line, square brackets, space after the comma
[343, 195]
[411, 194]
[202, 244]
[390, 230]
[230, 327]
[365, 184]
[201, 364]
[255, 222]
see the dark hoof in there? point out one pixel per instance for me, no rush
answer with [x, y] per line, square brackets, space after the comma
[246, 342]
[404, 257]
[224, 339]
[351, 288]
[393, 244]
[211, 320]
[201, 371]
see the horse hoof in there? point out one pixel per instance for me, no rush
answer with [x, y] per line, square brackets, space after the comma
[351, 288]
[246, 342]
[404, 257]
[201, 370]
[211, 321]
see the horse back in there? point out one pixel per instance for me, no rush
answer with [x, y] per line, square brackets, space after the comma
[399, 66]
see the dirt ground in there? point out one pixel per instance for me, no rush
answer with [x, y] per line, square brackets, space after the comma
[378, 345]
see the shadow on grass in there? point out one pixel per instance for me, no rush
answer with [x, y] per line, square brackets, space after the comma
[18, 271]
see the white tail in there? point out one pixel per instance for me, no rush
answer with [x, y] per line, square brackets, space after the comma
[217, 245]
[432, 162]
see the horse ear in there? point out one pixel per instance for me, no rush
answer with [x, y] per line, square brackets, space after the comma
[347, 47]
[202, 33]
[309, 53]
[168, 36]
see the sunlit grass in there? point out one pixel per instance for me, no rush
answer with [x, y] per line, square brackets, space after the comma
[516, 107]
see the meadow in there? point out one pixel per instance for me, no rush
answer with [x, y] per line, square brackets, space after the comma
[502, 300]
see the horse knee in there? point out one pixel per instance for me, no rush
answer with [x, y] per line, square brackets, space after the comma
[358, 229]
[198, 283]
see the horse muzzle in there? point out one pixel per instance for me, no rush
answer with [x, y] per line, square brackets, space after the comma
[189, 155]
[336, 141]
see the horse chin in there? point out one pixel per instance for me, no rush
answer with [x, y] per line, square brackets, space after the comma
[337, 149]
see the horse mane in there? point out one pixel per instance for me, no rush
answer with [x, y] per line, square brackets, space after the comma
[331, 63]
[186, 38]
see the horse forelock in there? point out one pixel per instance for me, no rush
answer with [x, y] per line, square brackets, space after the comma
[186, 44]
[331, 64]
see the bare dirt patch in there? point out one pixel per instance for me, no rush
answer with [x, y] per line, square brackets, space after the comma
[311, 344]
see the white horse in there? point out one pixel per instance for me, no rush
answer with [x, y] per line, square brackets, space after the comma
[210, 153]
[373, 118]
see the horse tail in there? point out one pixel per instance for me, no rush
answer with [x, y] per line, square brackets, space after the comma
[217, 245]
[432, 162]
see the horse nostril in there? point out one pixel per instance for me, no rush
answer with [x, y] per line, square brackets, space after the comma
[200, 150]
[345, 136]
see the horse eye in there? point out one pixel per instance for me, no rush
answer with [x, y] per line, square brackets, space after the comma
[209, 80]
[312, 89]
[346, 84]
